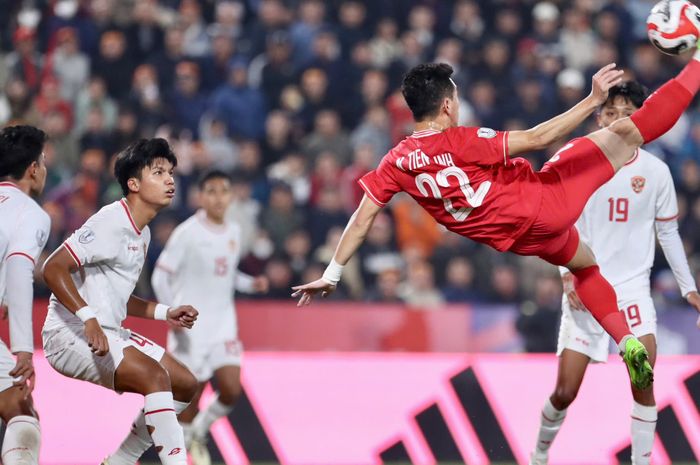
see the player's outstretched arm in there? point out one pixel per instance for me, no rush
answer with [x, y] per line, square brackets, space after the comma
[57, 275]
[183, 316]
[353, 236]
[544, 134]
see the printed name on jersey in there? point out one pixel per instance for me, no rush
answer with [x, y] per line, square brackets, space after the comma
[638, 183]
[87, 236]
[418, 159]
[486, 133]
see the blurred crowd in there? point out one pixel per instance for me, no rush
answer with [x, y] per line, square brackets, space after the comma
[297, 99]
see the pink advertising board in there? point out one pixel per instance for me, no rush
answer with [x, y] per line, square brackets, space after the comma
[361, 408]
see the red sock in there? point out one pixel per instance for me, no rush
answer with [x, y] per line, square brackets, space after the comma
[600, 299]
[662, 109]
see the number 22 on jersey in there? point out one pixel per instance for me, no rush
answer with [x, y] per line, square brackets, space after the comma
[442, 179]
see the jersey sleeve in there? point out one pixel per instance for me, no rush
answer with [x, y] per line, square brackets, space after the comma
[380, 184]
[173, 255]
[30, 235]
[666, 202]
[98, 240]
[480, 146]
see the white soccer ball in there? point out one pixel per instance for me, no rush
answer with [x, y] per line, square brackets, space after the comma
[673, 26]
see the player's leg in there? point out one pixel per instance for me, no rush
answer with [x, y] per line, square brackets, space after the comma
[189, 414]
[228, 380]
[139, 373]
[644, 413]
[22, 433]
[572, 367]
[600, 299]
[183, 386]
[657, 115]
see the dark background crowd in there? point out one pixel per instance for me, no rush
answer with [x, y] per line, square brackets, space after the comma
[297, 99]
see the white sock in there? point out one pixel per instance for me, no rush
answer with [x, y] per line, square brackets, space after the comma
[643, 428]
[22, 441]
[159, 411]
[550, 423]
[622, 346]
[204, 419]
[138, 441]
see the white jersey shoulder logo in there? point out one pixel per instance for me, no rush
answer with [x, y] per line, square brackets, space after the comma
[87, 236]
[638, 183]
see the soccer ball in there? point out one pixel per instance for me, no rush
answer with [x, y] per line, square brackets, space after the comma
[673, 26]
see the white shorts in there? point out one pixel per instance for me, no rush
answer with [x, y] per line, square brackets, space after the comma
[580, 332]
[204, 359]
[67, 351]
[7, 363]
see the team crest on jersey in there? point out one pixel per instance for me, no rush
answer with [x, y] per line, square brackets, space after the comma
[40, 238]
[86, 236]
[486, 133]
[638, 183]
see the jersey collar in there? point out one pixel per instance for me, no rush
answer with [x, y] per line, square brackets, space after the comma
[424, 133]
[633, 159]
[128, 214]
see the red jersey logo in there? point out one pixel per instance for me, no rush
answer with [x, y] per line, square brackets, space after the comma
[638, 184]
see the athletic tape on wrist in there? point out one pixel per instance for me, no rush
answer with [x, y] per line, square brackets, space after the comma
[85, 313]
[161, 312]
[333, 273]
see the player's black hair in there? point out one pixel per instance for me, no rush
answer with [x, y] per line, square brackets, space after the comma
[20, 146]
[631, 91]
[212, 174]
[139, 155]
[424, 87]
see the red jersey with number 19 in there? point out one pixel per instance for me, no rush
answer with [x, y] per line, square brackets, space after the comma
[464, 179]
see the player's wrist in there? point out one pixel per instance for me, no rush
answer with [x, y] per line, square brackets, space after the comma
[333, 272]
[161, 312]
[85, 314]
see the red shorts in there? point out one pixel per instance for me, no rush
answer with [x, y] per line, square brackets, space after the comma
[568, 181]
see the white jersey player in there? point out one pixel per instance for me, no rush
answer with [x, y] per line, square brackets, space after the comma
[92, 276]
[24, 230]
[619, 224]
[199, 266]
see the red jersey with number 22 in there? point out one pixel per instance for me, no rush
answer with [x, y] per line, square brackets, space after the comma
[462, 176]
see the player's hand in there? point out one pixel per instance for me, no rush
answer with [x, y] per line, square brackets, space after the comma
[96, 337]
[693, 299]
[570, 292]
[24, 370]
[183, 316]
[603, 80]
[261, 284]
[306, 292]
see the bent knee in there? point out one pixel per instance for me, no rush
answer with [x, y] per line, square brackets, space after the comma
[158, 379]
[15, 404]
[563, 396]
[230, 396]
[186, 386]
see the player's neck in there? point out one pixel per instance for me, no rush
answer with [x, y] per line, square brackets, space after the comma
[20, 184]
[433, 125]
[141, 212]
[213, 219]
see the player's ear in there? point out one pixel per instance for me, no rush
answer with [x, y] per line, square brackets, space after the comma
[133, 184]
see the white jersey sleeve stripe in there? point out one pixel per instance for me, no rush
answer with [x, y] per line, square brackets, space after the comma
[72, 253]
[21, 254]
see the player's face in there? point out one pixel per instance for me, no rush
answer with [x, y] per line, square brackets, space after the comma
[157, 184]
[612, 111]
[215, 198]
[39, 175]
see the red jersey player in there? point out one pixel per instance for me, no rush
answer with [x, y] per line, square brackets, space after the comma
[465, 179]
